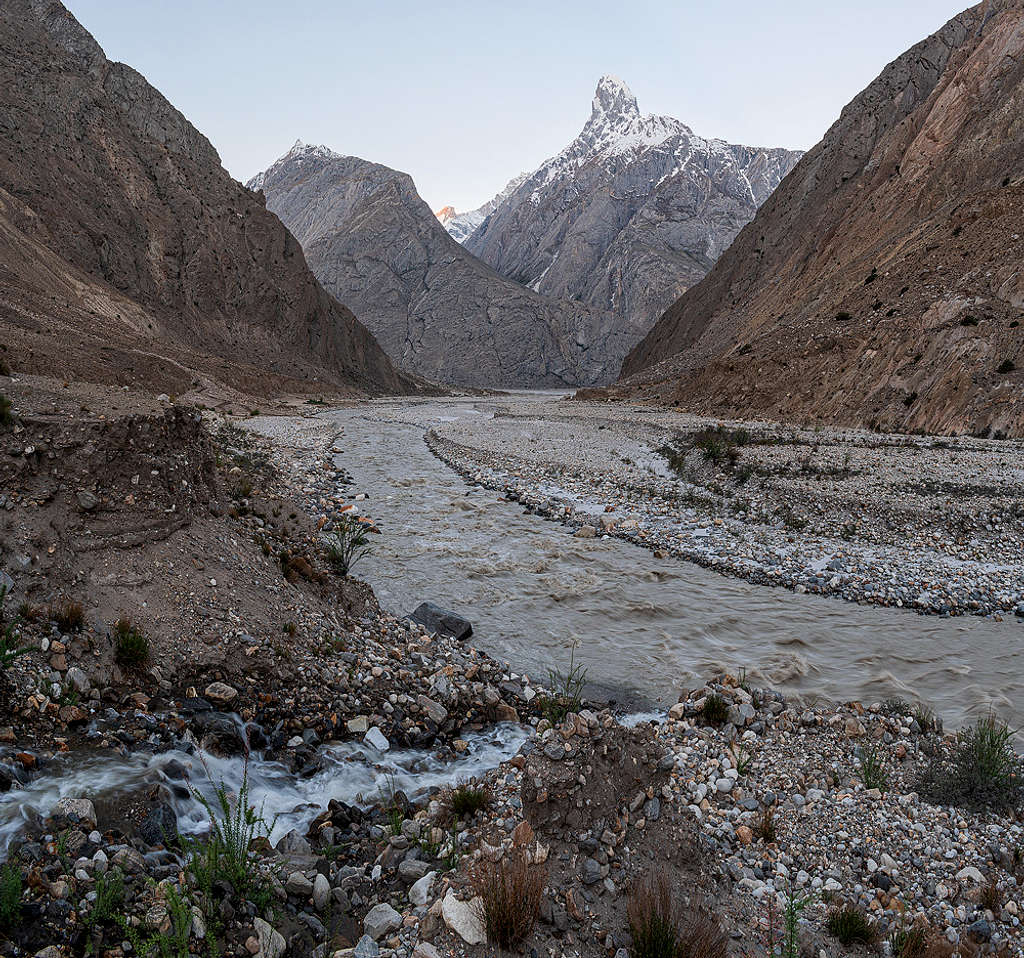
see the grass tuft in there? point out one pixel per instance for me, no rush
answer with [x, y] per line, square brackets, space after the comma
[131, 647]
[10, 897]
[715, 710]
[6, 412]
[764, 828]
[872, 769]
[851, 926]
[465, 799]
[662, 928]
[510, 891]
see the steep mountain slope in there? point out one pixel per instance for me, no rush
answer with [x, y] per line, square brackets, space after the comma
[127, 253]
[435, 308]
[634, 211]
[460, 226]
[883, 282]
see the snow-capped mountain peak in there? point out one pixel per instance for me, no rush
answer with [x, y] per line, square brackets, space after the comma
[299, 152]
[614, 100]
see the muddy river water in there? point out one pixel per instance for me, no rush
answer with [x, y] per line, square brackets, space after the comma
[646, 625]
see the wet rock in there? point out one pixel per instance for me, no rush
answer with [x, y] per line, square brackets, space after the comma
[435, 619]
[79, 811]
[160, 826]
[435, 711]
[375, 737]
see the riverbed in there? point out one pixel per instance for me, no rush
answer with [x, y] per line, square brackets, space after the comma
[645, 628]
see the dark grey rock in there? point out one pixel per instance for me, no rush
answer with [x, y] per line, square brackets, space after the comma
[435, 619]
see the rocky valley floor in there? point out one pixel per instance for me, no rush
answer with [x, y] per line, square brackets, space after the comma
[189, 641]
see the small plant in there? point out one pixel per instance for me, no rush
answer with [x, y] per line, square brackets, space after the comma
[468, 798]
[566, 690]
[1006, 366]
[289, 628]
[926, 718]
[715, 710]
[393, 805]
[983, 771]
[795, 905]
[9, 647]
[744, 759]
[661, 928]
[226, 852]
[6, 414]
[909, 942]
[851, 926]
[10, 897]
[764, 828]
[843, 316]
[69, 616]
[346, 545]
[872, 770]
[109, 898]
[131, 647]
[510, 892]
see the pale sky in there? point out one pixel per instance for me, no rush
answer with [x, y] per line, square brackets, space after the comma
[464, 95]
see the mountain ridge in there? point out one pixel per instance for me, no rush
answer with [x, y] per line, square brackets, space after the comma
[148, 262]
[436, 309]
[881, 283]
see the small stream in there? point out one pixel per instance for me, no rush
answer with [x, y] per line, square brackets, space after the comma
[647, 626]
[351, 772]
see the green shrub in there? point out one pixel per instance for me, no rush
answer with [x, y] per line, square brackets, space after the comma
[909, 942]
[131, 647]
[851, 926]
[347, 544]
[10, 897]
[984, 770]
[225, 854]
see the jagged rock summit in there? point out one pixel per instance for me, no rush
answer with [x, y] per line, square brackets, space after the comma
[631, 213]
[129, 255]
[436, 309]
[882, 284]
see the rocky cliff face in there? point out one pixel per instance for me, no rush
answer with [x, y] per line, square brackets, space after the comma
[435, 308]
[882, 284]
[128, 253]
[634, 211]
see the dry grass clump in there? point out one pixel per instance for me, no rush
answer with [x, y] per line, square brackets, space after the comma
[510, 890]
[764, 828]
[69, 616]
[663, 928]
